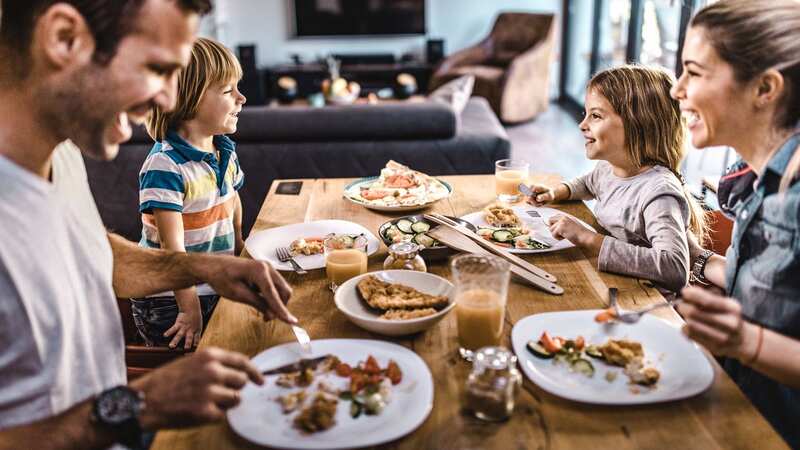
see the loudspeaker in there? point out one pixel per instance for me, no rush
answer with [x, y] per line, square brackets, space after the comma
[250, 85]
[434, 50]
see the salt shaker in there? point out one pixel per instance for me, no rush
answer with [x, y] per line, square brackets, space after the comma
[492, 387]
[405, 256]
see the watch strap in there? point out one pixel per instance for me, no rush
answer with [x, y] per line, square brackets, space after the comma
[699, 267]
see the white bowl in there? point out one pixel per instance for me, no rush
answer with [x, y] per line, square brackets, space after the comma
[351, 305]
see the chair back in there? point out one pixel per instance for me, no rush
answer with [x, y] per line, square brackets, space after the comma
[514, 33]
[140, 359]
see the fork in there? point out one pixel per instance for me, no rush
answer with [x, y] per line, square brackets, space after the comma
[634, 316]
[302, 337]
[284, 256]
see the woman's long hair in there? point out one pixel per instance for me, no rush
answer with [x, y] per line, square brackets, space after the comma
[754, 36]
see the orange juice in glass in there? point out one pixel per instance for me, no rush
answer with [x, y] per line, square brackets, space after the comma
[508, 174]
[481, 287]
[345, 257]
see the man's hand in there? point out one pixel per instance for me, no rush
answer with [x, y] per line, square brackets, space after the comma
[716, 323]
[194, 389]
[247, 281]
[188, 326]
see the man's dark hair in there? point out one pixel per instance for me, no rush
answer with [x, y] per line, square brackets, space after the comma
[108, 20]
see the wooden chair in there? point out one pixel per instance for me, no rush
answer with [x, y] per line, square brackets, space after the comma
[139, 358]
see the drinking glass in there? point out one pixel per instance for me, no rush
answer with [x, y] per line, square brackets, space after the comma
[508, 174]
[345, 258]
[481, 288]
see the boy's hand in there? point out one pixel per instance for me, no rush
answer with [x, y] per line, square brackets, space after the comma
[188, 326]
[541, 195]
[194, 389]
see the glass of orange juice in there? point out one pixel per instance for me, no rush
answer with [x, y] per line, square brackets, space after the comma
[508, 174]
[345, 257]
[481, 287]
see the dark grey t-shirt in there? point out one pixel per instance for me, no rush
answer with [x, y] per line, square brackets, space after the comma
[647, 217]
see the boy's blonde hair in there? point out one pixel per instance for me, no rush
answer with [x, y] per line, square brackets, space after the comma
[211, 64]
[655, 131]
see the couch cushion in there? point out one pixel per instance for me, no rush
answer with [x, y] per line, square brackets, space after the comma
[405, 121]
[454, 93]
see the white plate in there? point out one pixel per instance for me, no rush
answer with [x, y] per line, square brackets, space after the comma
[355, 186]
[351, 305]
[262, 245]
[258, 418]
[685, 369]
[540, 232]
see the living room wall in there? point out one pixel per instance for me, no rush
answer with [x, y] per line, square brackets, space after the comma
[267, 24]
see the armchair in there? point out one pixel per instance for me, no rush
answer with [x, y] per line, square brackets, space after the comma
[511, 65]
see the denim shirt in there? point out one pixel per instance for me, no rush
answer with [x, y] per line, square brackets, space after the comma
[763, 274]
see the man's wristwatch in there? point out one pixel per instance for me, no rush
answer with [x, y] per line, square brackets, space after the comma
[117, 410]
[699, 267]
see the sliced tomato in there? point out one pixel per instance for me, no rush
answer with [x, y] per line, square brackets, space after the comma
[358, 380]
[371, 366]
[394, 373]
[344, 370]
[580, 343]
[552, 345]
[604, 316]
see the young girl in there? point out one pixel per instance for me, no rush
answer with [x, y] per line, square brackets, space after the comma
[636, 131]
[187, 189]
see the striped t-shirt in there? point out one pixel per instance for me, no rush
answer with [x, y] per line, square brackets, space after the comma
[177, 176]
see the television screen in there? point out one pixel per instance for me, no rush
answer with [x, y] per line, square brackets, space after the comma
[359, 17]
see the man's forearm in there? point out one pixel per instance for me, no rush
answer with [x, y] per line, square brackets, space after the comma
[71, 429]
[139, 272]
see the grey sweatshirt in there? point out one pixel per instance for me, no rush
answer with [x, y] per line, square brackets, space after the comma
[647, 216]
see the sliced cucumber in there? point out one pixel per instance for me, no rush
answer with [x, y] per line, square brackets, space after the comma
[539, 351]
[583, 366]
[594, 352]
[391, 232]
[420, 227]
[502, 236]
[424, 240]
[405, 226]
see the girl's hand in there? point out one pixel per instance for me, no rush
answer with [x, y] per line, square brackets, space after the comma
[716, 323]
[564, 227]
[541, 195]
[188, 326]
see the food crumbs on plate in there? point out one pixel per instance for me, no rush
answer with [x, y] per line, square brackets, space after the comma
[611, 376]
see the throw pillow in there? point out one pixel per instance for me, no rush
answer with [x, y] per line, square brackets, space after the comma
[455, 93]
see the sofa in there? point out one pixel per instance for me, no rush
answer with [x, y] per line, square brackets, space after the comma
[331, 142]
[511, 65]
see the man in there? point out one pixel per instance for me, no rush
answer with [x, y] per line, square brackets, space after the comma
[81, 69]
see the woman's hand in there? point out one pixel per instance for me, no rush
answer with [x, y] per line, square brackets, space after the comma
[565, 227]
[188, 326]
[716, 323]
[541, 195]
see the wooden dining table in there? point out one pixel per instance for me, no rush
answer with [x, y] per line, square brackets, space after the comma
[719, 418]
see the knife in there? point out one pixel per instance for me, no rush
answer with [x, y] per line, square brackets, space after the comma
[297, 366]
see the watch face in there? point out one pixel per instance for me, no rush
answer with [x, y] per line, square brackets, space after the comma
[118, 405]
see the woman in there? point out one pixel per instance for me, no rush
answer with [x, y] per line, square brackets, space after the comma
[741, 87]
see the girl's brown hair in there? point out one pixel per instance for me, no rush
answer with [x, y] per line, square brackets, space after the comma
[211, 64]
[754, 36]
[654, 128]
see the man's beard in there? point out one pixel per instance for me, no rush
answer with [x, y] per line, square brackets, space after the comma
[79, 109]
